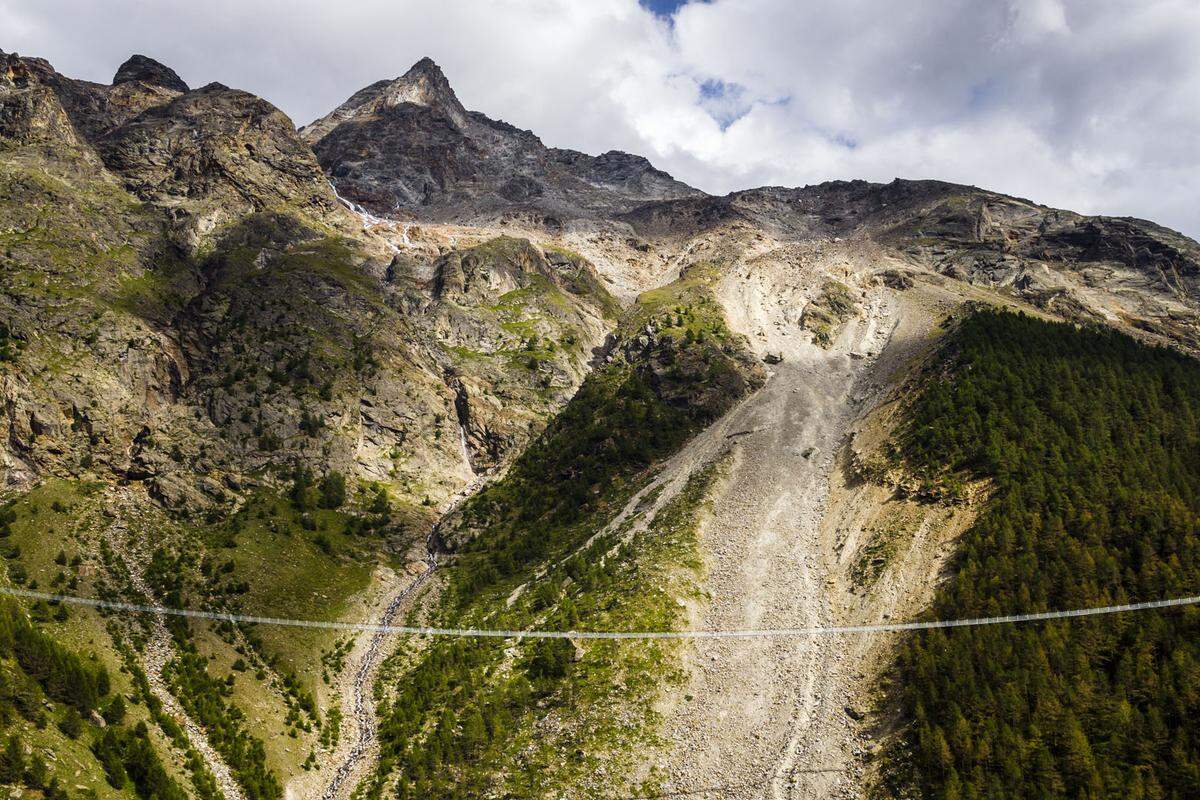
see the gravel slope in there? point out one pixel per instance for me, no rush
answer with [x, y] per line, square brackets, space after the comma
[766, 717]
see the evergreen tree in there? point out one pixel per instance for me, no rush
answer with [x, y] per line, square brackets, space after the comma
[1090, 444]
[71, 724]
[333, 490]
[114, 712]
[12, 760]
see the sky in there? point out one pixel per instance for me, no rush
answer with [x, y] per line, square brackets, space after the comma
[1092, 105]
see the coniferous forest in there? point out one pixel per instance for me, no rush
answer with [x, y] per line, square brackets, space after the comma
[1091, 444]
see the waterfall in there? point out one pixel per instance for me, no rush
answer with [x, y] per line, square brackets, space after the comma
[369, 220]
[466, 454]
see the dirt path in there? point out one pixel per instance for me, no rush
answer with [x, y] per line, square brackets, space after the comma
[130, 549]
[767, 718]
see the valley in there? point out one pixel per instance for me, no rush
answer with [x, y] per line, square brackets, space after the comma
[407, 364]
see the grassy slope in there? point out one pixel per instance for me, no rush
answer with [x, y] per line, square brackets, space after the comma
[86, 275]
[61, 516]
[288, 574]
[277, 559]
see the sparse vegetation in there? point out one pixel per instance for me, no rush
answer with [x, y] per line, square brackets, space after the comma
[461, 715]
[464, 719]
[205, 699]
[624, 417]
[827, 311]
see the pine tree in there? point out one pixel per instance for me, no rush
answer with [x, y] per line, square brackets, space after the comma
[474, 732]
[12, 761]
[333, 490]
[37, 775]
[114, 713]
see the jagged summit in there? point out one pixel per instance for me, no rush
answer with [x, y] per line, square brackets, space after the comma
[145, 69]
[209, 154]
[424, 84]
[409, 144]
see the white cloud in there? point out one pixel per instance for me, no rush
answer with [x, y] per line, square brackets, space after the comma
[1088, 104]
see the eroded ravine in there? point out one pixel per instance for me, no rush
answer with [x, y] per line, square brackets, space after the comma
[363, 750]
[765, 717]
[363, 712]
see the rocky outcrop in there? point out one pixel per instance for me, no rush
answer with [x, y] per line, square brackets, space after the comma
[824, 315]
[144, 69]
[704, 380]
[208, 156]
[215, 154]
[408, 145]
[30, 110]
[515, 323]
[86, 111]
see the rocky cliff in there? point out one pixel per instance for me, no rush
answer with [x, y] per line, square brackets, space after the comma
[191, 306]
[408, 145]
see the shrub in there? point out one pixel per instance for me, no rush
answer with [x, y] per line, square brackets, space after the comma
[333, 490]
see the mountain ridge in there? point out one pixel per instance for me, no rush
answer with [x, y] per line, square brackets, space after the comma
[466, 164]
[410, 363]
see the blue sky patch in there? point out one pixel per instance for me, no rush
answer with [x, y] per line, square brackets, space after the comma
[725, 102]
[663, 8]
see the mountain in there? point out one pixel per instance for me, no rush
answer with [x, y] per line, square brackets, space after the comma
[409, 145]
[1121, 271]
[202, 237]
[408, 365]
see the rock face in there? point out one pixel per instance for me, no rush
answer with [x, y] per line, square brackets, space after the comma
[186, 304]
[1120, 271]
[30, 109]
[87, 110]
[216, 153]
[1123, 271]
[208, 155]
[409, 145]
[146, 70]
[516, 323]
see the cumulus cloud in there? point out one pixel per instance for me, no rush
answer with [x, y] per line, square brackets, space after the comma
[1086, 104]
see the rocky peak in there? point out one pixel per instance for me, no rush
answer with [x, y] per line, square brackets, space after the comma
[147, 70]
[425, 85]
[409, 144]
[11, 68]
[18, 70]
[214, 154]
[31, 108]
